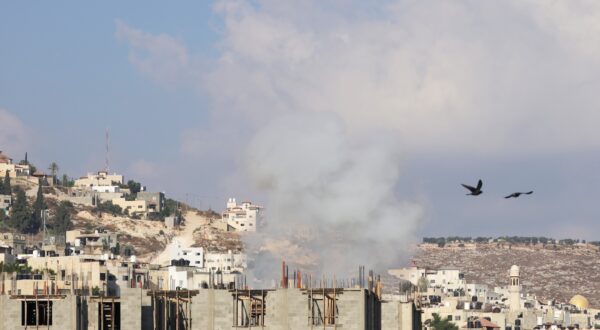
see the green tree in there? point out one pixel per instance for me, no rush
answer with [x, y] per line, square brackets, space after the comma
[62, 219]
[35, 221]
[53, 168]
[171, 208]
[134, 187]
[20, 213]
[66, 182]
[109, 207]
[6, 188]
[437, 323]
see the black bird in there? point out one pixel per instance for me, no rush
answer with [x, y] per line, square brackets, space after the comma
[474, 191]
[517, 194]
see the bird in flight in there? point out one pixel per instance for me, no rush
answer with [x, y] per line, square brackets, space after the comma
[517, 194]
[474, 190]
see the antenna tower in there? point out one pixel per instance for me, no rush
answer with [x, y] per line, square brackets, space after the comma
[106, 165]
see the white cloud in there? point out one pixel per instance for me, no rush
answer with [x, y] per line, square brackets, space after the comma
[479, 76]
[161, 57]
[14, 136]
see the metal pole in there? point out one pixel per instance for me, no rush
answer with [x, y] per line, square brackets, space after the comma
[112, 313]
[154, 310]
[101, 313]
[333, 310]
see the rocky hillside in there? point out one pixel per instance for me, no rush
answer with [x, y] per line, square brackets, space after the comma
[548, 271]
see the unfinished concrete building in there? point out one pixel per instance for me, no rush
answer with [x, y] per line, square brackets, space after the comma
[287, 308]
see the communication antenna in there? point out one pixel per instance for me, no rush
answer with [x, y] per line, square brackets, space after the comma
[44, 214]
[106, 165]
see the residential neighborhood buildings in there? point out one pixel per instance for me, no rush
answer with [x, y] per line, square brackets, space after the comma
[101, 178]
[242, 217]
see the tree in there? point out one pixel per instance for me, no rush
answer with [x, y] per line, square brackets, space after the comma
[6, 188]
[442, 324]
[66, 182]
[35, 221]
[128, 251]
[20, 211]
[62, 219]
[53, 168]
[134, 187]
[171, 208]
[109, 207]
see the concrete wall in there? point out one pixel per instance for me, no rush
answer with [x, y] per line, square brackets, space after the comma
[64, 313]
[286, 309]
[397, 315]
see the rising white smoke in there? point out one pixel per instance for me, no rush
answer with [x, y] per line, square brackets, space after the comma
[331, 201]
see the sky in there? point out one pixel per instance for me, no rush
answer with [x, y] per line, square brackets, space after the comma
[209, 100]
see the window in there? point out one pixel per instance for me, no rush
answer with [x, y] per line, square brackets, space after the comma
[109, 316]
[125, 278]
[102, 276]
[457, 318]
[36, 312]
[449, 317]
[323, 309]
[249, 308]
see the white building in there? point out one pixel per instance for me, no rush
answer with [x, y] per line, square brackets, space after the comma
[190, 278]
[241, 217]
[102, 178]
[106, 189]
[447, 279]
[210, 261]
[195, 256]
[226, 262]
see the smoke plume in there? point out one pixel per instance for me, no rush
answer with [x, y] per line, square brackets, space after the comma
[331, 202]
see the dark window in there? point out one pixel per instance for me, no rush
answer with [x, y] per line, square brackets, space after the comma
[109, 316]
[102, 276]
[30, 315]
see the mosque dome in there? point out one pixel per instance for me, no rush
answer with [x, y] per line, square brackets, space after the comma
[514, 270]
[579, 301]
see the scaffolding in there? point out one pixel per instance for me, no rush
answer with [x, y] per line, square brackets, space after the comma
[322, 306]
[171, 310]
[249, 308]
[36, 310]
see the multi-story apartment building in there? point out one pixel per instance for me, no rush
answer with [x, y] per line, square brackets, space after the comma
[242, 217]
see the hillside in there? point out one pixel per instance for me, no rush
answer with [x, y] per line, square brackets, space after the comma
[548, 271]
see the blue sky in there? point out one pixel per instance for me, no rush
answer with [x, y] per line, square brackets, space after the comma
[67, 78]
[499, 91]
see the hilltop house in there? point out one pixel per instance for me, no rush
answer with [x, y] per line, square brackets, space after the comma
[154, 200]
[139, 207]
[241, 217]
[102, 178]
[5, 203]
[14, 170]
